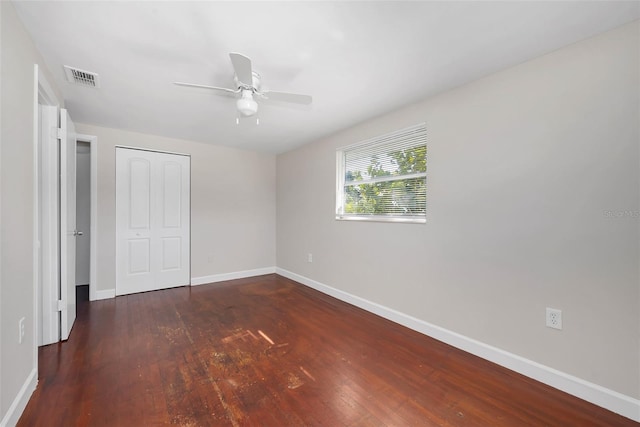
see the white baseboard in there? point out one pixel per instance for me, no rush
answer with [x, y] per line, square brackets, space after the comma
[20, 402]
[105, 294]
[609, 399]
[231, 276]
[111, 293]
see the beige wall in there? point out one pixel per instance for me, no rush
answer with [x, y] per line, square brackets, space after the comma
[232, 204]
[523, 168]
[18, 56]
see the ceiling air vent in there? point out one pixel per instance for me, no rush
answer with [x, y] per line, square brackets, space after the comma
[82, 77]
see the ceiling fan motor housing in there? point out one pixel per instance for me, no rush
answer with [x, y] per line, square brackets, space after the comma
[254, 85]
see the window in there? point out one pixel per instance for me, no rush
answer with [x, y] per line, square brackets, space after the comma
[385, 178]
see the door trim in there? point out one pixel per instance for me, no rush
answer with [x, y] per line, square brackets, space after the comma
[151, 150]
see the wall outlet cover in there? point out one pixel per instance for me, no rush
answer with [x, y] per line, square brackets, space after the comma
[554, 318]
[21, 330]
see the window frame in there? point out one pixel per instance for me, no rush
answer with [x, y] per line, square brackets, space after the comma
[381, 141]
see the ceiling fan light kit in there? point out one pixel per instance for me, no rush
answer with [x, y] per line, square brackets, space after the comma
[248, 84]
[247, 106]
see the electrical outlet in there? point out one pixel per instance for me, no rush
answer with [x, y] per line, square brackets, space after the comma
[554, 318]
[309, 257]
[21, 330]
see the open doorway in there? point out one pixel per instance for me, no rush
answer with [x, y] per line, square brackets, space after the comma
[83, 221]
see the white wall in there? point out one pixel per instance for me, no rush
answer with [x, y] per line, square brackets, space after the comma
[18, 364]
[232, 204]
[530, 171]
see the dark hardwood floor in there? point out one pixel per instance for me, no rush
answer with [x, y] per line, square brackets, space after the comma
[267, 351]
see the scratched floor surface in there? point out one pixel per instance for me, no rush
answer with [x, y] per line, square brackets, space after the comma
[267, 351]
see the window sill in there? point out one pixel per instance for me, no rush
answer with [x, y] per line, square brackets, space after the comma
[379, 218]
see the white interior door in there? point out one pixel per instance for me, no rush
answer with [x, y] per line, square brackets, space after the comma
[152, 220]
[50, 224]
[68, 230]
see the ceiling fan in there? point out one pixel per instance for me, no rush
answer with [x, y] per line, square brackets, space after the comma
[247, 85]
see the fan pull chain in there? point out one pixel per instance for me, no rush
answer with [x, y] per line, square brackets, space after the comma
[238, 120]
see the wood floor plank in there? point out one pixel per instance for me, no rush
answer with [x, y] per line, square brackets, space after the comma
[267, 351]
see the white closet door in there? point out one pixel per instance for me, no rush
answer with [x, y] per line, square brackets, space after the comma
[152, 220]
[172, 204]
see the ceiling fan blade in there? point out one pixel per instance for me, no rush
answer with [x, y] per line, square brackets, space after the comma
[242, 67]
[207, 87]
[288, 97]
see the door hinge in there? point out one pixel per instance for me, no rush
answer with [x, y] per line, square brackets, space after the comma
[61, 305]
[59, 133]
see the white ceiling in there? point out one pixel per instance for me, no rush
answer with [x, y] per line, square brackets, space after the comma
[357, 59]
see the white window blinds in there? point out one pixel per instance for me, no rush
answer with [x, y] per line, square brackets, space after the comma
[384, 178]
